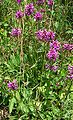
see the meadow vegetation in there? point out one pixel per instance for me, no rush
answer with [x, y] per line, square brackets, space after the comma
[36, 60]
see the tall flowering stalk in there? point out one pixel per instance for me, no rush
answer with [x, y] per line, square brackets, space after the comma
[20, 18]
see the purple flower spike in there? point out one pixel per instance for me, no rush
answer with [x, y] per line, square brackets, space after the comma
[13, 85]
[52, 54]
[16, 32]
[29, 9]
[18, 1]
[38, 16]
[19, 14]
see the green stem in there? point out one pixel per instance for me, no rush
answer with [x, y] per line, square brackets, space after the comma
[68, 90]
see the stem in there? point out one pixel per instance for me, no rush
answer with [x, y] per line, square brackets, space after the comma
[68, 90]
[21, 54]
[50, 19]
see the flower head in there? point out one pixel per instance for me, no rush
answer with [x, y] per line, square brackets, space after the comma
[50, 2]
[51, 35]
[40, 2]
[52, 54]
[29, 9]
[16, 32]
[41, 34]
[70, 72]
[44, 35]
[19, 14]
[53, 67]
[55, 44]
[68, 46]
[13, 85]
[70, 69]
[38, 16]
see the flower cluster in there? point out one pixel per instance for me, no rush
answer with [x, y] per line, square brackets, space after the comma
[53, 67]
[40, 2]
[45, 35]
[13, 85]
[55, 44]
[54, 48]
[29, 9]
[52, 54]
[19, 14]
[70, 70]
[68, 46]
[16, 32]
[38, 16]
[50, 2]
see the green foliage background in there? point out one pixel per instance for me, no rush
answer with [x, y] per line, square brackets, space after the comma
[38, 97]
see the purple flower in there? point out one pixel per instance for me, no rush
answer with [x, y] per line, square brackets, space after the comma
[51, 35]
[41, 34]
[44, 35]
[47, 66]
[55, 44]
[68, 46]
[16, 32]
[13, 85]
[70, 70]
[50, 2]
[38, 16]
[53, 68]
[42, 10]
[18, 1]
[40, 2]
[52, 54]
[70, 77]
[29, 9]
[19, 14]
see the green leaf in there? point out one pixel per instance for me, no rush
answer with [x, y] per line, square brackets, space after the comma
[23, 107]
[25, 58]
[18, 96]
[5, 24]
[70, 32]
[56, 25]
[63, 73]
[11, 104]
[5, 33]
